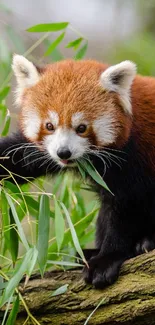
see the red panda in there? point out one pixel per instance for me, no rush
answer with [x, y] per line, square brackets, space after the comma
[85, 109]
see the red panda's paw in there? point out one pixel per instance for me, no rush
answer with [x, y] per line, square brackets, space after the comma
[103, 270]
[145, 245]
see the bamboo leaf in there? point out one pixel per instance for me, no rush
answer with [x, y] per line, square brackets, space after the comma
[43, 232]
[32, 262]
[54, 44]
[14, 241]
[74, 235]
[17, 221]
[53, 27]
[75, 44]
[91, 314]
[64, 263]
[18, 274]
[13, 314]
[61, 290]
[90, 169]
[6, 126]
[55, 55]
[81, 53]
[59, 225]
[79, 226]
[5, 219]
[4, 93]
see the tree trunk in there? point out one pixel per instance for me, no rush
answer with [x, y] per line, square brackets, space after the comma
[130, 301]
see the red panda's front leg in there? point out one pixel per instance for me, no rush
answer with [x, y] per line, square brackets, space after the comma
[115, 242]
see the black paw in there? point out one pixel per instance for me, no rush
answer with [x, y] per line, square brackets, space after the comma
[103, 270]
[145, 245]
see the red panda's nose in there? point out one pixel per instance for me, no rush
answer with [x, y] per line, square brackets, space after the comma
[64, 153]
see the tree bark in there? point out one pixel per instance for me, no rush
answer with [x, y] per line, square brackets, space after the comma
[130, 301]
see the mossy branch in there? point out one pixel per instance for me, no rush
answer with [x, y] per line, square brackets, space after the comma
[130, 301]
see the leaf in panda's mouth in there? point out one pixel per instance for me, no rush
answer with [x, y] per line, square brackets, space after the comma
[87, 167]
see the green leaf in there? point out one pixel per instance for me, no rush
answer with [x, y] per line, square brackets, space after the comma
[59, 225]
[81, 53]
[5, 219]
[43, 231]
[75, 44]
[82, 171]
[60, 290]
[32, 262]
[18, 274]
[90, 169]
[91, 314]
[88, 237]
[14, 241]
[6, 126]
[79, 226]
[17, 221]
[54, 44]
[53, 27]
[74, 235]
[13, 314]
[64, 263]
[55, 55]
[3, 113]
[4, 93]
[2, 283]
[6, 310]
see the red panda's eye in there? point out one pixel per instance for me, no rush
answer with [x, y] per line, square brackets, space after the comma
[49, 126]
[81, 128]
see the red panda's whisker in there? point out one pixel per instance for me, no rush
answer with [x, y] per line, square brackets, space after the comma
[107, 156]
[104, 151]
[115, 162]
[113, 157]
[55, 165]
[17, 146]
[95, 153]
[33, 161]
[107, 148]
[7, 153]
[34, 155]
[23, 158]
[46, 161]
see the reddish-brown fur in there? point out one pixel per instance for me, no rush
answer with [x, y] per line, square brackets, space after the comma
[73, 86]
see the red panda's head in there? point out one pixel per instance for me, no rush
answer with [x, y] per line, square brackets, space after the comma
[70, 106]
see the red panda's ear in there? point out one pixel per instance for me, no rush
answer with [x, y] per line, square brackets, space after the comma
[26, 74]
[119, 78]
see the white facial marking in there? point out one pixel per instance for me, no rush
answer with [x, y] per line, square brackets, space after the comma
[119, 78]
[31, 123]
[64, 137]
[78, 118]
[26, 74]
[54, 118]
[104, 128]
